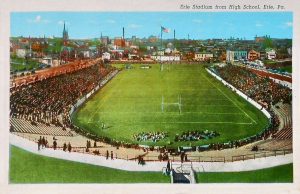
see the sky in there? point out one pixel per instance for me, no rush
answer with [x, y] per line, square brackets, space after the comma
[196, 25]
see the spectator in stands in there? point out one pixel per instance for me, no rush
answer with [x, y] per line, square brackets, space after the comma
[141, 160]
[43, 142]
[65, 147]
[262, 89]
[46, 143]
[39, 144]
[45, 101]
[87, 144]
[69, 147]
[107, 154]
[168, 167]
[254, 148]
[160, 157]
[54, 144]
[182, 156]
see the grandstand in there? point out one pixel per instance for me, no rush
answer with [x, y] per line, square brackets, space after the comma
[24, 126]
[285, 130]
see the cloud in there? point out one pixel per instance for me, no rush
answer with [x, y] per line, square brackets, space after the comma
[286, 25]
[258, 24]
[134, 26]
[289, 24]
[197, 21]
[111, 21]
[38, 19]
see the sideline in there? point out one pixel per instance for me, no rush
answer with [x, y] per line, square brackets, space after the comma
[246, 165]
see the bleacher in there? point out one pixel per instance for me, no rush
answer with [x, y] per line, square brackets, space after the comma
[23, 126]
[274, 144]
[286, 132]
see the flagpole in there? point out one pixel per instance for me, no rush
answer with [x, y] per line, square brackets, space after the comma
[161, 37]
[161, 47]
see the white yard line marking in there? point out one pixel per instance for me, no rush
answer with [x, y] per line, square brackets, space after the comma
[229, 99]
[195, 122]
[155, 112]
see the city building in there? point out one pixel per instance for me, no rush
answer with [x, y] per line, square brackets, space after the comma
[229, 56]
[236, 55]
[106, 56]
[270, 53]
[104, 40]
[119, 42]
[203, 56]
[21, 52]
[253, 55]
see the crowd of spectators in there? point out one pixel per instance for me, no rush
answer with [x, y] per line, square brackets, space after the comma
[196, 135]
[261, 89]
[48, 101]
[153, 136]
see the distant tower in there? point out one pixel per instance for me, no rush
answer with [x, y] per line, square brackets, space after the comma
[123, 38]
[65, 34]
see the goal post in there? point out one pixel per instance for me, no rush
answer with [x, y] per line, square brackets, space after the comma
[165, 104]
[179, 103]
[162, 103]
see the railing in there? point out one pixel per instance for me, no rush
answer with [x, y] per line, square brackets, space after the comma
[190, 159]
[261, 155]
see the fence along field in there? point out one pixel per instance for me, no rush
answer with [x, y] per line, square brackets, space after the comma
[179, 98]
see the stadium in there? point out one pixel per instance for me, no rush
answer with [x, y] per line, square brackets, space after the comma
[150, 120]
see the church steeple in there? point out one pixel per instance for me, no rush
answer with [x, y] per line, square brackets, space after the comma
[64, 27]
[65, 34]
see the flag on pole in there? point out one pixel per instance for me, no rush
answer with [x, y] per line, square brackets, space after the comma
[166, 30]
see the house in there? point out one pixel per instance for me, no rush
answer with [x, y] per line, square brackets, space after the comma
[165, 58]
[236, 55]
[229, 56]
[289, 50]
[106, 56]
[21, 52]
[270, 53]
[253, 55]
[104, 40]
[47, 61]
[203, 56]
[262, 55]
[159, 53]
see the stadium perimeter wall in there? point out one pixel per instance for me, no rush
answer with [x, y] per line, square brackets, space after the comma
[251, 101]
[84, 98]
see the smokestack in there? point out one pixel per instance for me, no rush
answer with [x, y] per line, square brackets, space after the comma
[123, 33]
[174, 35]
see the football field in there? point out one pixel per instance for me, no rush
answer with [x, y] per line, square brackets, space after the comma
[179, 98]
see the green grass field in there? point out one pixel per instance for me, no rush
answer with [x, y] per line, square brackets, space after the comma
[278, 174]
[26, 167]
[288, 69]
[20, 64]
[132, 103]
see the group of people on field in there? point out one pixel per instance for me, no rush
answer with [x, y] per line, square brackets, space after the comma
[196, 135]
[152, 136]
